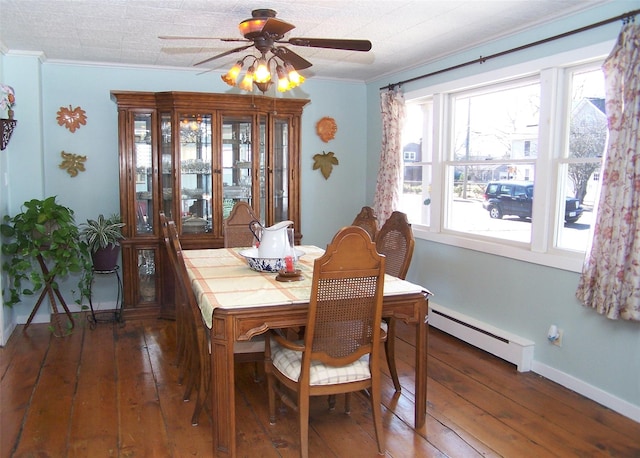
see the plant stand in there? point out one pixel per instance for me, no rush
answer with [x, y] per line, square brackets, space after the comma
[49, 290]
[96, 317]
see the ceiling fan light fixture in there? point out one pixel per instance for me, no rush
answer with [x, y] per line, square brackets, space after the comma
[262, 73]
[264, 87]
[295, 78]
[283, 82]
[232, 75]
[247, 82]
[265, 33]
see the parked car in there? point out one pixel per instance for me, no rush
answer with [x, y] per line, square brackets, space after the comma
[516, 198]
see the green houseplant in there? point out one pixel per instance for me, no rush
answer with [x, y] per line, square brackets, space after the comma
[44, 233]
[103, 237]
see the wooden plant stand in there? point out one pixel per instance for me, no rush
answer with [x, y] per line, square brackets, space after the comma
[58, 329]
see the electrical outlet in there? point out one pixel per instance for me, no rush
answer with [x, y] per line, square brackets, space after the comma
[558, 342]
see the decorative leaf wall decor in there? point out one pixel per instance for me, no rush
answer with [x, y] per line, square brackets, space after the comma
[71, 118]
[72, 163]
[325, 163]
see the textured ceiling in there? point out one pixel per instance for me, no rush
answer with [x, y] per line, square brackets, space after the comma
[404, 34]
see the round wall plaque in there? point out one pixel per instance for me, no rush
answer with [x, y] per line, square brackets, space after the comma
[326, 129]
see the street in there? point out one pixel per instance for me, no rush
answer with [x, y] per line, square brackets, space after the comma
[469, 216]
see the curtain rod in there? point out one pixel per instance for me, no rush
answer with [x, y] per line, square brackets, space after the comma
[626, 17]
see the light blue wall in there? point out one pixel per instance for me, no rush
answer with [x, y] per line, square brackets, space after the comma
[33, 158]
[24, 152]
[516, 296]
[523, 299]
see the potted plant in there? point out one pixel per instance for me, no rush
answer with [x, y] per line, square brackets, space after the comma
[103, 237]
[43, 246]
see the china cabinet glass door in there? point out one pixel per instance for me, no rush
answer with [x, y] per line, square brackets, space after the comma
[280, 170]
[143, 157]
[166, 166]
[262, 169]
[146, 276]
[237, 161]
[195, 173]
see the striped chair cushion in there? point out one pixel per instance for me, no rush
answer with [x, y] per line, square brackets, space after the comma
[289, 362]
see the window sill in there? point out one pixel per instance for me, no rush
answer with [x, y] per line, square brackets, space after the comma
[565, 260]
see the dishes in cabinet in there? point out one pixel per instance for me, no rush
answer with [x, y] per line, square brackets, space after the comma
[236, 192]
[194, 225]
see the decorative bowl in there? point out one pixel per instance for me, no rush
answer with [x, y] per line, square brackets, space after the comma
[255, 262]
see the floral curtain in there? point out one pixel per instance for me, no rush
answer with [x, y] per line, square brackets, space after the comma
[390, 172]
[610, 281]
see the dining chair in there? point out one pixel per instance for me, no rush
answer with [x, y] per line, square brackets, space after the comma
[197, 340]
[236, 226]
[188, 355]
[340, 350]
[200, 343]
[395, 240]
[182, 349]
[367, 220]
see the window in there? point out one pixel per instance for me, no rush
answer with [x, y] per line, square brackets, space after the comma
[585, 141]
[496, 133]
[416, 190]
[489, 127]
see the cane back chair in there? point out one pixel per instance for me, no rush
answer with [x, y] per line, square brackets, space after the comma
[395, 240]
[340, 350]
[367, 220]
[236, 226]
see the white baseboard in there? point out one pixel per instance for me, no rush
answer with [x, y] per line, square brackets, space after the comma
[588, 391]
[503, 344]
[519, 351]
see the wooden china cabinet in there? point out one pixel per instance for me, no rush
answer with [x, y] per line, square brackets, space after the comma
[193, 155]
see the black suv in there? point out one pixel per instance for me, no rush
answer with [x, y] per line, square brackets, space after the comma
[515, 198]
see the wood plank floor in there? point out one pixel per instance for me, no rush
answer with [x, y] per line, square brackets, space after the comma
[113, 392]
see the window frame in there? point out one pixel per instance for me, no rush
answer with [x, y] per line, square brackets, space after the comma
[548, 177]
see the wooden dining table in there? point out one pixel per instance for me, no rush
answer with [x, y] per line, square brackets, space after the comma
[238, 303]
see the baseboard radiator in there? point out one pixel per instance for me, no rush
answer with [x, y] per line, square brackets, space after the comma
[504, 345]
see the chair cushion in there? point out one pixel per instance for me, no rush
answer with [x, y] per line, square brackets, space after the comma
[289, 363]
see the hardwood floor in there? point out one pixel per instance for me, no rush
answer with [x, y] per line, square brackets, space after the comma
[113, 392]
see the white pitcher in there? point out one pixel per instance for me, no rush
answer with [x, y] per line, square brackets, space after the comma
[274, 241]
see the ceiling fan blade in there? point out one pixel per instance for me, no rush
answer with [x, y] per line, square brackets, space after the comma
[298, 62]
[226, 53]
[277, 27]
[178, 37]
[329, 43]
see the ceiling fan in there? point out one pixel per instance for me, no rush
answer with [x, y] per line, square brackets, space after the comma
[266, 33]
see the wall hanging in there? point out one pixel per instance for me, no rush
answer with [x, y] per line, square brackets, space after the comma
[7, 129]
[72, 163]
[71, 118]
[325, 163]
[326, 129]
